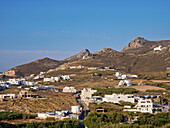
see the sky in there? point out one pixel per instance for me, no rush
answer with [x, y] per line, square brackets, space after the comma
[33, 29]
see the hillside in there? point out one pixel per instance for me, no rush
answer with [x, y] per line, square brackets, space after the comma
[137, 57]
[35, 67]
[78, 56]
[141, 45]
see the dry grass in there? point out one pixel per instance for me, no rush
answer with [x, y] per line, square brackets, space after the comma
[55, 101]
[143, 88]
[161, 81]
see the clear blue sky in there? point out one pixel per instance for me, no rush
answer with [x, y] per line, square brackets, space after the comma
[32, 29]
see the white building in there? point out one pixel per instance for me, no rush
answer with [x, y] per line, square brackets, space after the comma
[76, 67]
[87, 93]
[120, 76]
[69, 89]
[47, 79]
[52, 79]
[51, 87]
[75, 109]
[39, 88]
[92, 68]
[11, 96]
[158, 48]
[65, 77]
[115, 98]
[144, 106]
[56, 79]
[27, 83]
[125, 83]
[14, 81]
[58, 115]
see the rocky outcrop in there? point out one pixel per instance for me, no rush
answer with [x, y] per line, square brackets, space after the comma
[138, 42]
[81, 55]
[140, 45]
[11, 73]
[35, 67]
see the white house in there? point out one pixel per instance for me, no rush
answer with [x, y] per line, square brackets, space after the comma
[39, 88]
[77, 67]
[75, 109]
[120, 76]
[87, 93]
[121, 83]
[115, 98]
[50, 87]
[47, 79]
[60, 115]
[144, 106]
[56, 79]
[65, 77]
[69, 89]
[11, 96]
[27, 83]
[159, 48]
[125, 82]
[52, 79]
[14, 81]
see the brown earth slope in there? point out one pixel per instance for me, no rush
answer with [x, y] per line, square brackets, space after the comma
[138, 57]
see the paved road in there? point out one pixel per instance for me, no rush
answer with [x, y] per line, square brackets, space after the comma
[85, 111]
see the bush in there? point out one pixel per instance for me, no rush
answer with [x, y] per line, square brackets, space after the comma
[109, 91]
[50, 118]
[15, 115]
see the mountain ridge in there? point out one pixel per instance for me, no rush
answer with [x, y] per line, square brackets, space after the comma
[137, 53]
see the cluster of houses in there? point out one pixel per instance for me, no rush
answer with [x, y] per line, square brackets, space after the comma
[39, 87]
[143, 104]
[11, 82]
[61, 114]
[57, 79]
[124, 82]
[21, 95]
[76, 67]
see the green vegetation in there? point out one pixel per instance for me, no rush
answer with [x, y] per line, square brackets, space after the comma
[54, 124]
[15, 115]
[154, 120]
[96, 120]
[109, 91]
[108, 107]
[118, 120]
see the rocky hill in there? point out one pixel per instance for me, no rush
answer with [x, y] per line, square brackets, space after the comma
[78, 56]
[138, 57]
[35, 67]
[141, 45]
